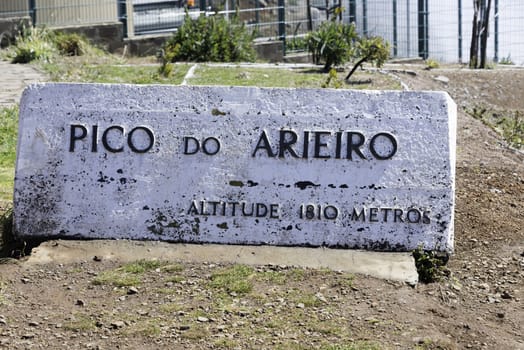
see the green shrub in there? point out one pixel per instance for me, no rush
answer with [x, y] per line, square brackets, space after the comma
[210, 39]
[332, 43]
[70, 44]
[32, 44]
[429, 265]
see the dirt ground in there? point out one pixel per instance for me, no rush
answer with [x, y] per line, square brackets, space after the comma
[477, 305]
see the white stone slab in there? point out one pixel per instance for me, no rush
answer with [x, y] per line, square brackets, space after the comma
[120, 161]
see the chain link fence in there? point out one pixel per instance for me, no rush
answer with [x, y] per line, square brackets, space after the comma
[440, 30]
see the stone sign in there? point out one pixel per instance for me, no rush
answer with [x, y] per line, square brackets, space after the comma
[337, 168]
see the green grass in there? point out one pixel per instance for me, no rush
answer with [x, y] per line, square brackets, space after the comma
[76, 69]
[286, 78]
[127, 275]
[236, 279]
[509, 124]
[8, 138]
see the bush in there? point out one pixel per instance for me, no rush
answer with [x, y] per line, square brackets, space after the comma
[70, 44]
[210, 39]
[332, 43]
[32, 44]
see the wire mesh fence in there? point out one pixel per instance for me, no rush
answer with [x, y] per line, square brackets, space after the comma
[440, 30]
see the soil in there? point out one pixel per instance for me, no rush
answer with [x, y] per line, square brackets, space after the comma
[476, 304]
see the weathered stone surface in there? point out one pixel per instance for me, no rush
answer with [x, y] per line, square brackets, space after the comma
[341, 168]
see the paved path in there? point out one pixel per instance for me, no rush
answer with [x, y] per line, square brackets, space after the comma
[13, 80]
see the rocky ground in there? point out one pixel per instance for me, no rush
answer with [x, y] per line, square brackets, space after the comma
[477, 304]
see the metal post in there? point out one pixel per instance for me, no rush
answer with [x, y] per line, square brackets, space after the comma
[423, 29]
[408, 25]
[395, 34]
[202, 6]
[496, 58]
[32, 11]
[122, 14]
[257, 11]
[282, 23]
[365, 17]
[460, 30]
[352, 11]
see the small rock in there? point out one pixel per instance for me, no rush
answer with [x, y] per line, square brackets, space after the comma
[97, 258]
[500, 315]
[184, 327]
[132, 290]
[202, 319]
[442, 79]
[3, 321]
[80, 302]
[34, 324]
[117, 324]
[25, 280]
[28, 336]
[300, 305]
[506, 295]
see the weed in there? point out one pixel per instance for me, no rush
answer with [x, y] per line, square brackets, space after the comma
[432, 64]
[226, 343]
[332, 80]
[80, 323]
[359, 345]
[429, 265]
[126, 275]
[509, 124]
[140, 266]
[506, 60]
[70, 44]
[236, 279]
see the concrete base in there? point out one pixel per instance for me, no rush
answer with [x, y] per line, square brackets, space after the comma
[390, 266]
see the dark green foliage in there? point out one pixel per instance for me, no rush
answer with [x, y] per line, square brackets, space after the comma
[70, 44]
[429, 265]
[332, 43]
[373, 49]
[210, 39]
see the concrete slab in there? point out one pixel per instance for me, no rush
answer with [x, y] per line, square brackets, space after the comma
[390, 266]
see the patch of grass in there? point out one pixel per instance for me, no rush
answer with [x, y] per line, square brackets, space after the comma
[195, 333]
[170, 308]
[126, 275]
[237, 279]
[149, 328]
[237, 76]
[8, 139]
[359, 345]
[308, 299]
[509, 124]
[225, 343]
[429, 265]
[80, 323]
[78, 70]
[170, 268]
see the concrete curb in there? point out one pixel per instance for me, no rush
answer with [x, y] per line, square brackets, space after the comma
[384, 265]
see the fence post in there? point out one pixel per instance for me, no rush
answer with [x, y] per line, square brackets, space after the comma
[365, 17]
[460, 30]
[309, 19]
[282, 23]
[496, 58]
[395, 35]
[352, 11]
[32, 11]
[423, 29]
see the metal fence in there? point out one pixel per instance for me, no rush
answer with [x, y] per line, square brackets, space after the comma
[430, 29]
